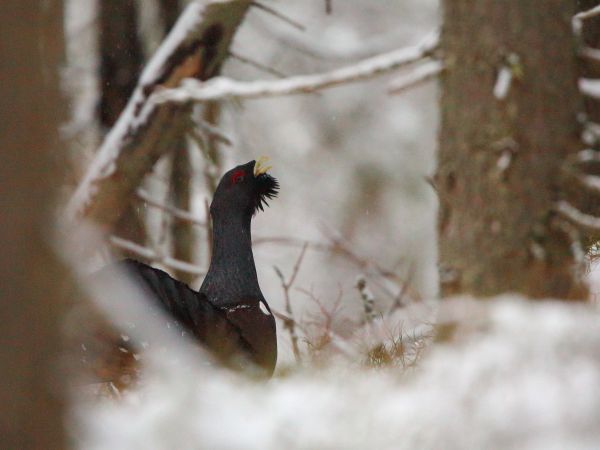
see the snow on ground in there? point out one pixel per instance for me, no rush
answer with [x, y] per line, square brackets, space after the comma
[509, 374]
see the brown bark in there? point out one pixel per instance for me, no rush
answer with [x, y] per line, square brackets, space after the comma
[103, 198]
[590, 68]
[211, 115]
[500, 159]
[31, 47]
[182, 231]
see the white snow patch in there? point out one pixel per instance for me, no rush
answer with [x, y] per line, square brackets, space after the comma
[503, 83]
[514, 375]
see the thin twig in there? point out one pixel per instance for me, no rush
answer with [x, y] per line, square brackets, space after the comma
[328, 6]
[368, 299]
[326, 317]
[177, 213]
[214, 132]
[222, 87]
[398, 300]
[152, 255]
[279, 15]
[257, 65]
[338, 248]
[324, 322]
[290, 325]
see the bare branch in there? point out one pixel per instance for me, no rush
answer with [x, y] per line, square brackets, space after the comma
[152, 255]
[367, 298]
[328, 6]
[279, 15]
[290, 323]
[221, 87]
[399, 299]
[416, 77]
[175, 212]
[214, 132]
[296, 268]
[324, 323]
[257, 65]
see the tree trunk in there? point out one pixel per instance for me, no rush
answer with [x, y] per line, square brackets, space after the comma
[31, 47]
[182, 232]
[121, 61]
[121, 57]
[501, 156]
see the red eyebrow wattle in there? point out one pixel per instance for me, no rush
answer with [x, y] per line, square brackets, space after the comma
[237, 175]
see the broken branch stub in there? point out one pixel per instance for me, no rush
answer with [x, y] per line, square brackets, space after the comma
[195, 48]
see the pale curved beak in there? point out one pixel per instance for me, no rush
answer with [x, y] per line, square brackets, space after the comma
[260, 166]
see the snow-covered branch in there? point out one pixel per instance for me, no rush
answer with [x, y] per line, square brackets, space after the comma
[221, 87]
[591, 182]
[415, 77]
[584, 15]
[590, 87]
[152, 255]
[195, 48]
[588, 155]
[581, 219]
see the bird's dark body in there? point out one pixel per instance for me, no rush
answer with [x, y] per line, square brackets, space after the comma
[228, 315]
[237, 334]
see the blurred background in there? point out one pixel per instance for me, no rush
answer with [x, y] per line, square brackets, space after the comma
[354, 228]
[353, 161]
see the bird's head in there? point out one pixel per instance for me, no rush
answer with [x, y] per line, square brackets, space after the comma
[245, 189]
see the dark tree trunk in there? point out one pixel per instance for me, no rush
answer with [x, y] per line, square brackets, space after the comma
[500, 159]
[31, 48]
[182, 232]
[590, 68]
[121, 61]
[121, 57]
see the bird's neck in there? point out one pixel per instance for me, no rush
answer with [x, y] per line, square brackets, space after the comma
[231, 277]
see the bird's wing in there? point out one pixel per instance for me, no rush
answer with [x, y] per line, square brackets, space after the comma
[192, 312]
[257, 327]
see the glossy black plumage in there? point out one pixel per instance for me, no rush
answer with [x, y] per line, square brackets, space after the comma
[229, 315]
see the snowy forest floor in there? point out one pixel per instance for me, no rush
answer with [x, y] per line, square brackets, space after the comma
[507, 373]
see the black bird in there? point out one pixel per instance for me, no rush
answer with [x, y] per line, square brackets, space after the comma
[229, 315]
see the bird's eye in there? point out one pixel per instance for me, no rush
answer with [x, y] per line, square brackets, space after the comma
[237, 177]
